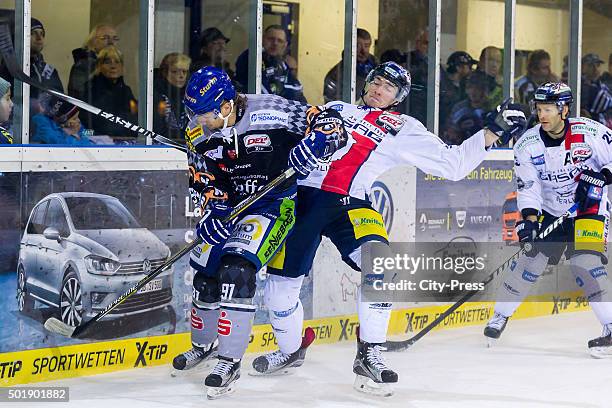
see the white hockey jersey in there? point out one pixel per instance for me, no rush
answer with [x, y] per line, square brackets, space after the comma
[546, 168]
[380, 140]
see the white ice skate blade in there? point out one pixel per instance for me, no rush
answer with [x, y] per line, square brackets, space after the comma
[490, 342]
[277, 373]
[601, 352]
[220, 392]
[368, 386]
[201, 366]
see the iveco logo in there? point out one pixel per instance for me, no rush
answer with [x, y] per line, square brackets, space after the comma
[146, 266]
[382, 202]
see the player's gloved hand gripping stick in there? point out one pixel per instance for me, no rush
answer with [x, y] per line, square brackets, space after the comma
[527, 247]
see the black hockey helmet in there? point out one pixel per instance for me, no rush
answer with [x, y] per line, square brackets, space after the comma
[553, 92]
[394, 73]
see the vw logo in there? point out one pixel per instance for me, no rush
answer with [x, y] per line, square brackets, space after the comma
[146, 266]
[382, 202]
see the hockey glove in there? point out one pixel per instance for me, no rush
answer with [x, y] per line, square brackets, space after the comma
[590, 189]
[527, 232]
[303, 157]
[330, 123]
[507, 121]
[211, 227]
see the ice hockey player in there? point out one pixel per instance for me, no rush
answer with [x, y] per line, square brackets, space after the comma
[558, 162]
[237, 144]
[333, 200]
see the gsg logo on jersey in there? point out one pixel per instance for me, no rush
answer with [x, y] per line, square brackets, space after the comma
[581, 152]
[224, 327]
[257, 143]
[265, 117]
[391, 123]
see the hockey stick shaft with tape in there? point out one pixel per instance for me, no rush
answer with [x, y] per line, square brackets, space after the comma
[405, 344]
[55, 325]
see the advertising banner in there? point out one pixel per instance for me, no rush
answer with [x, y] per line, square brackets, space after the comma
[73, 241]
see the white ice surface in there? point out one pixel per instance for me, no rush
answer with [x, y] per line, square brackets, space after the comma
[540, 362]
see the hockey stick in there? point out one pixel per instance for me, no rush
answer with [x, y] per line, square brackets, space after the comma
[55, 325]
[10, 60]
[405, 344]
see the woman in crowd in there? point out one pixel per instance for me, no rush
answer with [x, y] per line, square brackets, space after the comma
[168, 91]
[107, 91]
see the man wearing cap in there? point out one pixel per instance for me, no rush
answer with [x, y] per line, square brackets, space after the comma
[277, 76]
[596, 99]
[212, 51]
[60, 125]
[39, 68]
[538, 73]
[459, 65]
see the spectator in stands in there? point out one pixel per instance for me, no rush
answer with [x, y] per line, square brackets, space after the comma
[107, 91]
[596, 99]
[490, 63]
[212, 51]
[60, 125]
[538, 73]
[276, 76]
[418, 66]
[606, 78]
[168, 91]
[6, 107]
[459, 65]
[85, 58]
[332, 85]
[39, 68]
[467, 116]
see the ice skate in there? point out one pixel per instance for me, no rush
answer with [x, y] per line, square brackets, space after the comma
[601, 347]
[193, 358]
[494, 328]
[372, 374]
[222, 380]
[279, 363]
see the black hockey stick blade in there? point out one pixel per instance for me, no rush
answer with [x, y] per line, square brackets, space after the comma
[55, 325]
[8, 56]
[406, 344]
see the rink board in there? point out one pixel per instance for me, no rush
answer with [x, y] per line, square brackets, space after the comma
[101, 357]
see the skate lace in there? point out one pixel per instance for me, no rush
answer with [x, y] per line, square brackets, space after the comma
[222, 368]
[375, 357]
[277, 358]
[607, 330]
[193, 354]
[497, 321]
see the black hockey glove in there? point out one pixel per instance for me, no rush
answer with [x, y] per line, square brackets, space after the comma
[330, 123]
[527, 232]
[590, 189]
[507, 121]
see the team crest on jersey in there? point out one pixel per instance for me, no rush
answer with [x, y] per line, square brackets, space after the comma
[391, 123]
[257, 143]
[580, 152]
